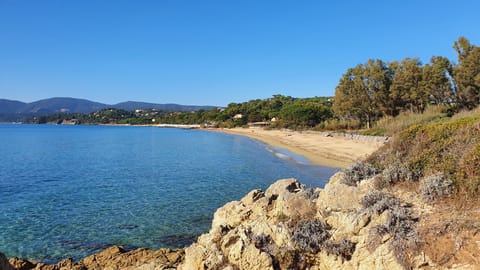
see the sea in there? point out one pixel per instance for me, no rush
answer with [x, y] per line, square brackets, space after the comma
[71, 191]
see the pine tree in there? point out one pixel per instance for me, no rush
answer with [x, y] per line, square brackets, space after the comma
[467, 74]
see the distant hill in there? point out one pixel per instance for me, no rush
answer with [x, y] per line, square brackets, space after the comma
[11, 106]
[59, 105]
[12, 110]
[134, 105]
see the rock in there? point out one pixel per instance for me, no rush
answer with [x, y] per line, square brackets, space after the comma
[340, 197]
[282, 186]
[20, 264]
[194, 257]
[256, 232]
[231, 214]
[252, 197]
[114, 257]
[4, 262]
[253, 258]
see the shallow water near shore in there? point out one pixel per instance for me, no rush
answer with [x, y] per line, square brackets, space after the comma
[70, 191]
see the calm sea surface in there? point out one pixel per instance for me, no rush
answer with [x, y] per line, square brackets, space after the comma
[70, 191]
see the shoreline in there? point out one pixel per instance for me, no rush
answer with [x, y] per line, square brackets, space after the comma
[335, 150]
[319, 148]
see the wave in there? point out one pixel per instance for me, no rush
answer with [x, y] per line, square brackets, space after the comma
[287, 155]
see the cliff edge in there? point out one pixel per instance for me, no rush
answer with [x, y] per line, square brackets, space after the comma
[291, 227]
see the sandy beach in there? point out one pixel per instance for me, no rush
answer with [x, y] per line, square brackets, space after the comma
[315, 146]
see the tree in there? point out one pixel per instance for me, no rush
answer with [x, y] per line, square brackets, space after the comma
[437, 82]
[363, 92]
[304, 113]
[467, 74]
[406, 88]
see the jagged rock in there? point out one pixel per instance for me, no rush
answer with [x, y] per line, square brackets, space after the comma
[285, 185]
[255, 232]
[112, 258]
[340, 197]
[20, 264]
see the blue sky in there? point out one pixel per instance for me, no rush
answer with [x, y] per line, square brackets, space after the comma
[213, 52]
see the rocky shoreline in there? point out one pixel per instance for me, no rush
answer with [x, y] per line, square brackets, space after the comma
[289, 226]
[114, 257]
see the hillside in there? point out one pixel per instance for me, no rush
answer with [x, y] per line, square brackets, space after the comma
[11, 110]
[134, 105]
[11, 106]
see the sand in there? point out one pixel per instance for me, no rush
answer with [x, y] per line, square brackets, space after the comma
[337, 152]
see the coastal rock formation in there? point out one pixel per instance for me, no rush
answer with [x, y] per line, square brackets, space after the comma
[112, 258]
[291, 227]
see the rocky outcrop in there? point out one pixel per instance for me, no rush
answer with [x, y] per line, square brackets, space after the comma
[273, 230]
[111, 258]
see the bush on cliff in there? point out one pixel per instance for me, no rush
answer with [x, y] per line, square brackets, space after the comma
[310, 235]
[357, 172]
[400, 225]
[314, 236]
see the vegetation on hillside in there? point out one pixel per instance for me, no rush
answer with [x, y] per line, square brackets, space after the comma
[280, 111]
[450, 147]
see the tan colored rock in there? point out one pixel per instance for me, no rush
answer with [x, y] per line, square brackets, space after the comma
[290, 185]
[254, 259]
[238, 227]
[340, 197]
[231, 214]
[21, 264]
[111, 258]
[252, 197]
[194, 257]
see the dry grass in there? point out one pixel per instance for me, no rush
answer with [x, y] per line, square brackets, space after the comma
[465, 113]
[389, 126]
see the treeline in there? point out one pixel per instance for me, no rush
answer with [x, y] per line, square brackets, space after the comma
[279, 111]
[369, 91]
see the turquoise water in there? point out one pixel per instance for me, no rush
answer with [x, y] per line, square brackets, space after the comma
[70, 191]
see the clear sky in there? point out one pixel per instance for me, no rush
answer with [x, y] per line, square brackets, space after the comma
[213, 52]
